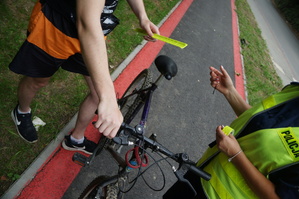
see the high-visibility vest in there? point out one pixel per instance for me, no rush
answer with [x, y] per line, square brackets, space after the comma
[268, 149]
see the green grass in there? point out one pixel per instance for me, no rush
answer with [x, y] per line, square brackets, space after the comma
[261, 77]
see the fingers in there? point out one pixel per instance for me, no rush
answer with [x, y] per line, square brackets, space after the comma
[147, 28]
[215, 71]
[154, 28]
[149, 38]
[228, 144]
[106, 128]
[109, 125]
[224, 72]
[232, 137]
[219, 133]
[221, 140]
[150, 29]
[215, 77]
[109, 130]
[214, 80]
[220, 80]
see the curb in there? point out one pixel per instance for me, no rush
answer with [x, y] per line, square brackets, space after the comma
[240, 78]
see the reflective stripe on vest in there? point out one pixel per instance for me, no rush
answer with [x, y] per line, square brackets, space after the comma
[268, 149]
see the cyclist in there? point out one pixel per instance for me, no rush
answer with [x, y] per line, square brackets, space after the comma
[263, 162]
[64, 33]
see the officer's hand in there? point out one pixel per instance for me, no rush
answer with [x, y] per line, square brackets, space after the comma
[228, 144]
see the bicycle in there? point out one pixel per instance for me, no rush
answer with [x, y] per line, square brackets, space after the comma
[139, 94]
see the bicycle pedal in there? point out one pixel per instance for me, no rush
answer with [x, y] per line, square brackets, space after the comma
[80, 159]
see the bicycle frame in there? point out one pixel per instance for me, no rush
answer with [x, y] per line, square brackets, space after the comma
[146, 95]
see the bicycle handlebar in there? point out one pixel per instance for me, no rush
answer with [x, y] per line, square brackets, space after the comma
[126, 131]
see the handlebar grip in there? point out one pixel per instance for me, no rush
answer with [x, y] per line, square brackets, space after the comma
[199, 172]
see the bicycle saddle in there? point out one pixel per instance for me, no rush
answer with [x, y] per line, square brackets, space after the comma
[166, 66]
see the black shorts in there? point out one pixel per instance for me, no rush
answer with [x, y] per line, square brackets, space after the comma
[52, 42]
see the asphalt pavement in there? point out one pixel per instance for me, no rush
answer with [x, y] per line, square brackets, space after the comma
[282, 43]
[184, 112]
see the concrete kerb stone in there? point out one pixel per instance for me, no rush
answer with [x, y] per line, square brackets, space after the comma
[39, 162]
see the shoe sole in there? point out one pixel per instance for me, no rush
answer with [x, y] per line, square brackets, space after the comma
[66, 147]
[15, 122]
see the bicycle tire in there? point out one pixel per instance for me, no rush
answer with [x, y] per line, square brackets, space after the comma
[142, 81]
[110, 191]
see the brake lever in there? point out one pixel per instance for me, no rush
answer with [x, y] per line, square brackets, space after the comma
[185, 162]
[123, 136]
[180, 175]
[121, 140]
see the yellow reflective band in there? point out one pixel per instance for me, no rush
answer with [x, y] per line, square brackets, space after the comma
[170, 41]
[290, 142]
[269, 102]
[213, 187]
[164, 39]
[228, 130]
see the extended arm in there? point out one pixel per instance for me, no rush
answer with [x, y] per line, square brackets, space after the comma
[258, 183]
[139, 10]
[221, 81]
[95, 57]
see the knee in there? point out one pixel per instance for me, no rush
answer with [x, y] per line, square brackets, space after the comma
[93, 97]
[36, 83]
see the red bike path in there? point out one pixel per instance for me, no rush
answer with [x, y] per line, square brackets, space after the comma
[58, 171]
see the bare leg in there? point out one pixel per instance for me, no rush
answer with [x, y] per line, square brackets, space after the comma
[28, 88]
[86, 111]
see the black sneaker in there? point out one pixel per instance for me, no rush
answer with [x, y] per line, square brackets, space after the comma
[24, 125]
[87, 146]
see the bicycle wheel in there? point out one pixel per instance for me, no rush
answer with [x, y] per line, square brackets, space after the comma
[128, 104]
[95, 190]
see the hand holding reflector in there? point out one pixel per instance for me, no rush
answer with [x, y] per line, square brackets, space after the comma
[164, 39]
